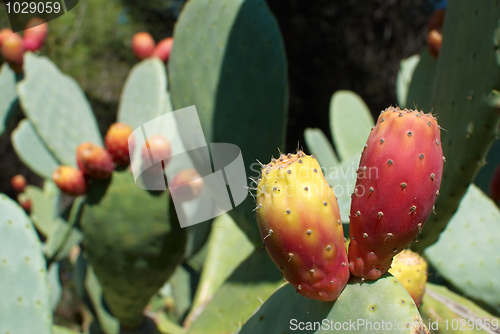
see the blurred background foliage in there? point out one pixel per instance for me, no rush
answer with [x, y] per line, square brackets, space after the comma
[330, 45]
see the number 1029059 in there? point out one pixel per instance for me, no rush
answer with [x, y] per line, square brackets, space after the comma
[32, 7]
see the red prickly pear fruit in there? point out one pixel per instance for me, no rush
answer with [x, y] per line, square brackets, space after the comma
[398, 182]
[186, 185]
[70, 180]
[13, 51]
[94, 161]
[299, 222]
[35, 34]
[18, 183]
[25, 202]
[495, 185]
[4, 33]
[143, 45]
[435, 36]
[116, 142]
[159, 148]
[411, 271]
[163, 49]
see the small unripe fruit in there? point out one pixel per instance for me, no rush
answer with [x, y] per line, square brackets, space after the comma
[13, 51]
[435, 36]
[411, 271]
[186, 185]
[35, 34]
[18, 183]
[116, 142]
[4, 33]
[159, 148]
[70, 180]
[25, 202]
[143, 45]
[163, 49]
[94, 161]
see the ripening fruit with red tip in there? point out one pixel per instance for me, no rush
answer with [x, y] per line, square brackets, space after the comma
[158, 149]
[495, 185]
[186, 185]
[18, 183]
[24, 201]
[143, 45]
[163, 49]
[35, 34]
[434, 35]
[94, 161]
[4, 33]
[13, 51]
[117, 143]
[70, 180]
[398, 181]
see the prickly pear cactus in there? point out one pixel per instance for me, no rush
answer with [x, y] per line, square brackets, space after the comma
[381, 306]
[213, 66]
[300, 226]
[8, 95]
[465, 97]
[25, 306]
[411, 271]
[132, 243]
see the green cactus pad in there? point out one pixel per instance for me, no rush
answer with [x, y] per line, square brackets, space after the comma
[406, 69]
[143, 97]
[468, 252]
[62, 330]
[350, 123]
[55, 287]
[132, 244]
[32, 150]
[384, 302]
[8, 95]
[228, 247]
[25, 306]
[446, 312]
[57, 107]
[318, 144]
[250, 284]
[465, 99]
[214, 65]
[420, 89]
[43, 209]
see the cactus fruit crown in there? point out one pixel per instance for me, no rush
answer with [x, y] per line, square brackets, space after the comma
[298, 219]
[411, 271]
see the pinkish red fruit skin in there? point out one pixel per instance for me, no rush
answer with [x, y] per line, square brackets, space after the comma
[186, 185]
[299, 222]
[117, 143]
[18, 183]
[163, 49]
[94, 161]
[396, 192]
[495, 185]
[35, 34]
[143, 45]
[70, 180]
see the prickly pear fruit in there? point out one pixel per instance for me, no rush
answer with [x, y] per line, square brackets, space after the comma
[186, 185]
[398, 181]
[35, 34]
[495, 185]
[299, 222]
[435, 36]
[411, 271]
[143, 45]
[24, 201]
[18, 183]
[116, 142]
[158, 148]
[70, 180]
[13, 51]
[163, 49]
[4, 33]
[94, 161]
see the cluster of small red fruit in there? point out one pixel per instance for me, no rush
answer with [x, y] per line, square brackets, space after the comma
[14, 46]
[144, 46]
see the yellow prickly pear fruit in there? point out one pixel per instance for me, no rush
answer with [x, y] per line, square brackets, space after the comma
[411, 271]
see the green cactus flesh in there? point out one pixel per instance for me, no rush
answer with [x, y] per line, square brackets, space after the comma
[214, 66]
[8, 95]
[132, 243]
[465, 98]
[363, 307]
[25, 306]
